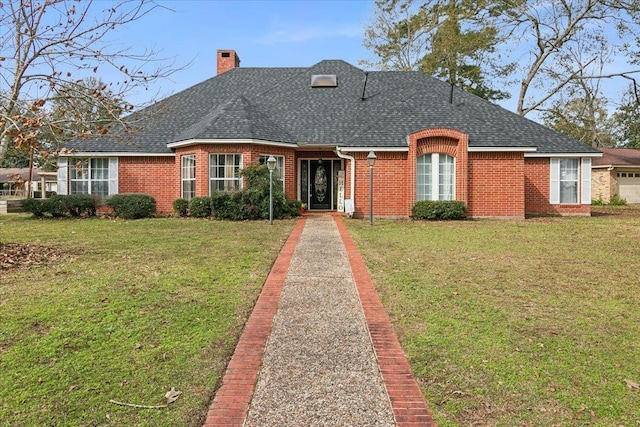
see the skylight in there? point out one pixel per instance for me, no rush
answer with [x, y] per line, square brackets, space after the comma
[324, 80]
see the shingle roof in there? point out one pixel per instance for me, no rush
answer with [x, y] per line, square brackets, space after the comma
[618, 157]
[279, 105]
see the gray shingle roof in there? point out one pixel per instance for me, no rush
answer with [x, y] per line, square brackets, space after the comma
[279, 104]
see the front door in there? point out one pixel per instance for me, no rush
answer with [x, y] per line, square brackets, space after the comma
[320, 184]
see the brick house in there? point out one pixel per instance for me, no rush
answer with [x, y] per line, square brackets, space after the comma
[617, 173]
[432, 141]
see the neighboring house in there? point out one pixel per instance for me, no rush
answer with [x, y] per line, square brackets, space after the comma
[13, 181]
[617, 172]
[432, 141]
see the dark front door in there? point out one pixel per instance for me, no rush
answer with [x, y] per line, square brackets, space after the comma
[320, 184]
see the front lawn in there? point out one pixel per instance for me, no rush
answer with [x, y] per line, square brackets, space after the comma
[106, 310]
[528, 323]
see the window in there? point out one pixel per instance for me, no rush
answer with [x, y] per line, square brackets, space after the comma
[224, 172]
[188, 176]
[278, 173]
[90, 176]
[570, 181]
[435, 177]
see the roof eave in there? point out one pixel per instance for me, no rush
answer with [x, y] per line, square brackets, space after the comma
[567, 154]
[191, 142]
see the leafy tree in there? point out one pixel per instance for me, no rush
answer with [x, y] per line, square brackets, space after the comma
[448, 39]
[584, 119]
[627, 120]
[47, 48]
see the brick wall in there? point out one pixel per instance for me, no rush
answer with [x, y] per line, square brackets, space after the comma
[536, 191]
[390, 185]
[492, 184]
[603, 184]
[150, 175]
[250, 155]
[496, 185]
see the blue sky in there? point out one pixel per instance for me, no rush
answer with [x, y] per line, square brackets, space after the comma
[286, 33]
[264, 33]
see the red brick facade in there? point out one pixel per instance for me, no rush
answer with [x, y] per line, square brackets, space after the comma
[501, 183]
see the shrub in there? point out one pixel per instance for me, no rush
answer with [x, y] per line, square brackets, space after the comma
[439, 210]
[200, 207]
[57, 206]
[181, 207]
[35, 206]
[598, 202]
[294, 207]
[78, 205]
[132, 206]
[616, 200]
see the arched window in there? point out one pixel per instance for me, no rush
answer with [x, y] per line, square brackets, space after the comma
[436, 177]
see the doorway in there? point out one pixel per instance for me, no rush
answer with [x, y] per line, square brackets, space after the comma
[319, 183]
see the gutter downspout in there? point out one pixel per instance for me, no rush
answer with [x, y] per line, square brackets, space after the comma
[352, 177]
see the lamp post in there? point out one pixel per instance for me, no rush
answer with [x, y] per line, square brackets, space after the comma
[271, 164]
[371, 158]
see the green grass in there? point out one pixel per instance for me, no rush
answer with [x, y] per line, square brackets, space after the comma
[507, 323]
[132, 309]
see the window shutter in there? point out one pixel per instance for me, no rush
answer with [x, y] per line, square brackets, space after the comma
[63, 175]
[586, 181]
[113, 175]
[554, 190]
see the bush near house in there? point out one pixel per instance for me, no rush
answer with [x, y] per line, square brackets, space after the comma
[181, 207]
[439, 210]
[132, 206]
[200, 207]
[252, 203]
[58, 206]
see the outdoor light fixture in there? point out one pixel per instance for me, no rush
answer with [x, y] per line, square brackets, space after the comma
[271, 164]
[371, 158]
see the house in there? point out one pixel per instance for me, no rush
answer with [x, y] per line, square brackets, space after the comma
[617, 172]
[13, 181]
[432, 141]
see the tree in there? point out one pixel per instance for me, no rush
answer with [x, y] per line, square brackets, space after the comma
[47, 48]
[585, 119]
[566, 41]
[448, 39]
[627, 119]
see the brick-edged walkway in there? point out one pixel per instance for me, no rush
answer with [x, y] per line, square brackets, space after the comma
[407, 402]
[232, 400]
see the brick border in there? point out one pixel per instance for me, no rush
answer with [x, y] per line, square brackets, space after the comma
[407, 402]
[231, 401]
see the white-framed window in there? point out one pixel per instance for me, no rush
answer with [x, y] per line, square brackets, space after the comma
[89, 176]
[435, 177]
[570, 181]
[278, 173]
[224, 172]
[188, 176]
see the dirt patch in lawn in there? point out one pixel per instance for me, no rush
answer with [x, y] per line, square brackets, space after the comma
[631, 211]
[17, 255]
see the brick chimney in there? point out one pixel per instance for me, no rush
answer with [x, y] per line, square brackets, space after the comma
[227, 60]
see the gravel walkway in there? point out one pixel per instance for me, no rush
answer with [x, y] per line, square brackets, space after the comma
[319, 368]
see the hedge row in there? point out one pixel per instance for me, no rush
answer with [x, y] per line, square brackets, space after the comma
[236, 206]
[58, 206]
[128, 206]
[439, 210]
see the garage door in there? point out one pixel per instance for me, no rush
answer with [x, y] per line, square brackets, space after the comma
[629, 186]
